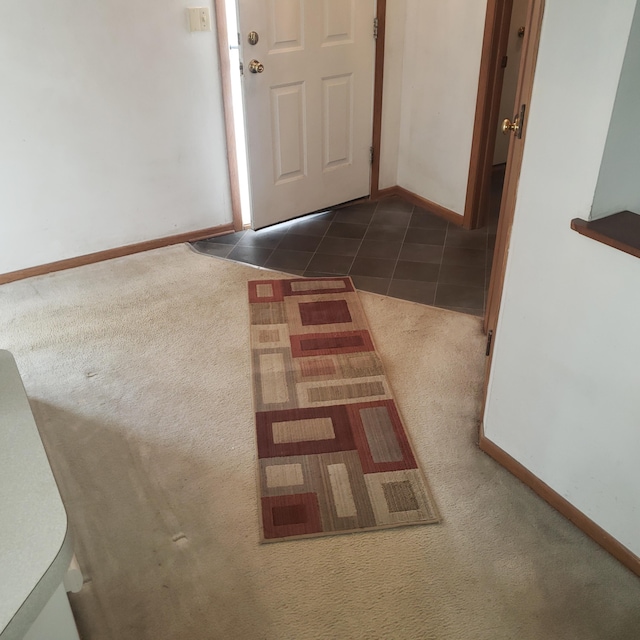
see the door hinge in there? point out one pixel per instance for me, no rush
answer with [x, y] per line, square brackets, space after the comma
[376, 24]
[371, 154]
[489, 343]
[505, 60]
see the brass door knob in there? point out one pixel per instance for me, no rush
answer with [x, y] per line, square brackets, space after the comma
[256, 67]
[510, 127]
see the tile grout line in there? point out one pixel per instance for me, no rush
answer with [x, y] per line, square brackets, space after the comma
[362, 240]
[292, 230]
[444, 245]
[324, 235]
[404, 238]
[276, 248]
[237, 245]
[316, 251]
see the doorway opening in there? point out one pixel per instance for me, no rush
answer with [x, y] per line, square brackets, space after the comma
[507, 101]
[511, 65]
[426, 255]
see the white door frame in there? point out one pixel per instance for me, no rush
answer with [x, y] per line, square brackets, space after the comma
[229, 120]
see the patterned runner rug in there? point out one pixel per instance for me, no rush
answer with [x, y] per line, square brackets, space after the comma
[333, 453]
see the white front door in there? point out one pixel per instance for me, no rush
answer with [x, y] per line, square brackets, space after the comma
[309, 109]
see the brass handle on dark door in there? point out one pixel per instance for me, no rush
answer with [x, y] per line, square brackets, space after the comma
[256, 67]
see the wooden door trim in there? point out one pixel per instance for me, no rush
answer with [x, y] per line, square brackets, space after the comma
[512, 173]
[494, 49]
[229, 124]
[378, 83]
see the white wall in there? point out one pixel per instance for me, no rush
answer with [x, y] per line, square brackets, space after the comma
[563, 396]
[392, 92]
[111, 128]
[443, 48]
[618, 186]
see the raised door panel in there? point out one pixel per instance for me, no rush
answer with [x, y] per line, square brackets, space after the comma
[338, 21]
[288, 132]
[337, 121]
[286, 25]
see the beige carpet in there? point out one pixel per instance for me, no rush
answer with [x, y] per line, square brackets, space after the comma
[138, 373]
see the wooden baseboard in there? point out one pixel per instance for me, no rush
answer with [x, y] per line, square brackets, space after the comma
[419, 201]
[118, 252]
[585, 524]
[384, 193]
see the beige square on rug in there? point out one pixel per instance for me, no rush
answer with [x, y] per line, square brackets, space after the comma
[333, 453]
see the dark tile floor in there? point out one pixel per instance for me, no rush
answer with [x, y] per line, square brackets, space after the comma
[388, 247]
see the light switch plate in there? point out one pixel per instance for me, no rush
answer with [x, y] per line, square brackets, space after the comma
[199, 18]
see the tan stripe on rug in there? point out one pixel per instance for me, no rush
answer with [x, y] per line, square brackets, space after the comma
[333, 453]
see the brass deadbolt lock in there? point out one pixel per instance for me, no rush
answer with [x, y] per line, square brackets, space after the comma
[253, 37]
